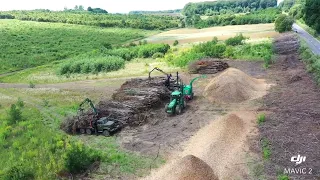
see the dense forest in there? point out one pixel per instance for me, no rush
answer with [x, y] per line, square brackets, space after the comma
[148, 22]
[312, 14]
[256, 17]
[307, 10]
[230, 12]
[226, 7]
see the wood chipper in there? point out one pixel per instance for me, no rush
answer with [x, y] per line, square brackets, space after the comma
[177, 102]
[188, 89]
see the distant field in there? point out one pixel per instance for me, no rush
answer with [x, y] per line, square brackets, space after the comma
[187, 35]
[26, 44]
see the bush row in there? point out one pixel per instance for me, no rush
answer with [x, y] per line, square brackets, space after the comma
[238, 50]
[311, 60]
[142, 51]
[92, 65]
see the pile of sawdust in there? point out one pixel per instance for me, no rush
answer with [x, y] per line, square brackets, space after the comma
[223, 144]
[234, 86]
[187, 168]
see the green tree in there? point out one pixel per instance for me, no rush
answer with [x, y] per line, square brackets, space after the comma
[283, 23]
[14, 114]
[175, 43]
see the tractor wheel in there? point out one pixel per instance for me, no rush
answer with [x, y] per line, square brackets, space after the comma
[191, 97]
[166, 108]
[184, 104]
[88, 131]
[82, 131]
[106, 133]
[178, 110]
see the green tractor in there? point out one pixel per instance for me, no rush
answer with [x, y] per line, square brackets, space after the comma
[188, 89]
[177, 103]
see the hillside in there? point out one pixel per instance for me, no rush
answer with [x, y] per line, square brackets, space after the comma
[29, 44]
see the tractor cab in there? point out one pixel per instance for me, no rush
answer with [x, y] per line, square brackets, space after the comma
[105, 125]
[175, 95]
[177, 103]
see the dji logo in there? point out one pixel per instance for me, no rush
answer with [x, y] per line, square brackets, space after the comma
[298, 159]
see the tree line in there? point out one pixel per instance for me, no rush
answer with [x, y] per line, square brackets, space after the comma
[308, 10]
[261, 16]
[175, 11]
[226, 7]
[138, 21]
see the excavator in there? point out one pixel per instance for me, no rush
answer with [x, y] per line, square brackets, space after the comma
[188, 89]
[169, 76]
[104, 125]
[170, 83]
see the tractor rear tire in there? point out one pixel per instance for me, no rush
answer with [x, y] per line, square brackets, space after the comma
[82, 131]
[178, 110]
[88, 131]
[166, 108]
[106, 133]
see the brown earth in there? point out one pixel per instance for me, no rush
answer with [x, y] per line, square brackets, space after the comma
[293, 123]
[234, 86]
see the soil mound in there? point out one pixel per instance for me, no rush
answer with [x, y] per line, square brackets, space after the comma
[234, 86]
[207, 66]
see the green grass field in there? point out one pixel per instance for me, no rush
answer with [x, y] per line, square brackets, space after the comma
[36, 143]
[26, 44]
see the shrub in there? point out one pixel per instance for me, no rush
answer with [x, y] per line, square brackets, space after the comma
[211, 49]
[157, 55]
[267, 60]
[145, 51]
[175, 43]
[14, 114]
[20, 103]
[92, 65]
[185, 58]
[237, 40]
[229, 53]
[283, 23]
[79, 158]
[266, 151]
[261, 118]
[107, 45]
[18, 172]
[31, 85]
[125, 53]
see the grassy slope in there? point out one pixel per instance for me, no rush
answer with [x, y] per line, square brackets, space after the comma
[47, 73]
[37, 142]
[29, 44]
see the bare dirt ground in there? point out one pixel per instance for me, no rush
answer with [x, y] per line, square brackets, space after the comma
[187, 35]
[203, 122]
[293, 124]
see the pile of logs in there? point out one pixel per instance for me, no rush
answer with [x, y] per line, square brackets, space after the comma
[130, 105]
[207, 67]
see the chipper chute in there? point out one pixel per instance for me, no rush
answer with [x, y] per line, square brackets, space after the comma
[188, 89]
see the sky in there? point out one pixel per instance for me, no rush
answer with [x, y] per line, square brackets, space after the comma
[112, 6]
